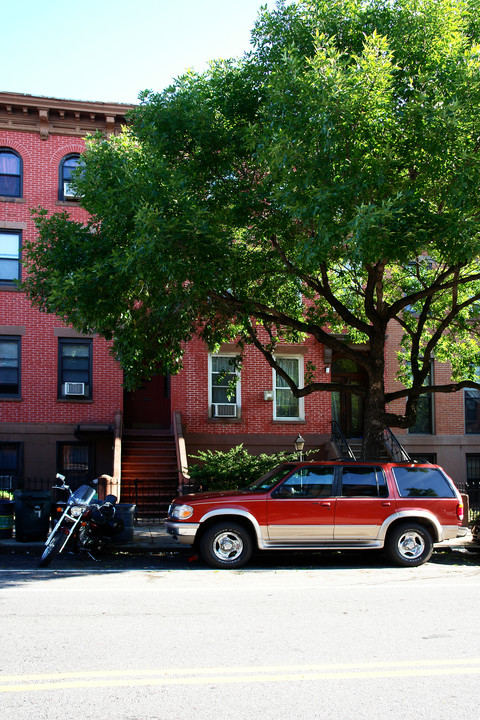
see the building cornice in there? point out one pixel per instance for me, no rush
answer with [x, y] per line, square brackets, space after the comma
[54, 116]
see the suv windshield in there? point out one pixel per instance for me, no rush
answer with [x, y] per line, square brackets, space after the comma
[270, 479]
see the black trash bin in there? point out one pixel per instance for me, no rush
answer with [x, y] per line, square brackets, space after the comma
[126, 513]
[6, 519]
[32, 514]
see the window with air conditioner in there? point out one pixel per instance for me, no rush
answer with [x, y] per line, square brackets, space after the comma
[224, 387]
[74, 369]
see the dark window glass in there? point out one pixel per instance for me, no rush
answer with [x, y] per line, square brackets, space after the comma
[363, 482]
[75, 462]
[424, 422]
[307, 483]
[10, 173]
[67, 167]
[422, 482]
[424, 457]
[472, 411]
[473, 468]
[9, 256]
[75, 369]
[10, 465]
[9, 366]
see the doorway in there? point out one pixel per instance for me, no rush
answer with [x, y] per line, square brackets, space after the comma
[149, 406]
[347, 407]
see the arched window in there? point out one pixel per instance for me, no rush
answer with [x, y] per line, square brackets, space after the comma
[67, 166]
[10, 173]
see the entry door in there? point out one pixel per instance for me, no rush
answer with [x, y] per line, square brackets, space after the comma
[347, 407]
[302, 509]
[347, 411]
[149, 405]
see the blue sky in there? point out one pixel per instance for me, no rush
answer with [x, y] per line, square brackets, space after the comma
[110, 50]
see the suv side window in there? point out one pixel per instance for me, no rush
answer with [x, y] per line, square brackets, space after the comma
[363, 481]
[307, 482]
[422, 482]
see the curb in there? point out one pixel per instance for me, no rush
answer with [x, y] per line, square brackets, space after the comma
[155, 539]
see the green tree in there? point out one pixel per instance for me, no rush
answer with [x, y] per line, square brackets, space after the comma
[324, 185]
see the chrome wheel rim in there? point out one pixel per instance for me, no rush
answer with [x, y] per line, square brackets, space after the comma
[228, 546]
[411, 545]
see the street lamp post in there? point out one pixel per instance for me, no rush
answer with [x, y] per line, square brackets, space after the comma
[299, 445]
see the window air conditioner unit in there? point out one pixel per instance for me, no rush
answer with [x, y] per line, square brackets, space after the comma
[68, 191]
[224, 410]
[74, 388]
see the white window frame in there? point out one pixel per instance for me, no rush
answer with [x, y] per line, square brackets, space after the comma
[235, 371]
[301, 403]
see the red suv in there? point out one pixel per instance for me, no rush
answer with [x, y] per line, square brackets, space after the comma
[404, 508]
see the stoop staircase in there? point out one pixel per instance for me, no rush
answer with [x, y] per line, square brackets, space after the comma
[149, 472]
[351, 449]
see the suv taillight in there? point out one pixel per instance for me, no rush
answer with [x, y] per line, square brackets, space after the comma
[460, 511]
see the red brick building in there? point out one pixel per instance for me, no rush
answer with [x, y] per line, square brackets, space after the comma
[62, 406]
[46, 423]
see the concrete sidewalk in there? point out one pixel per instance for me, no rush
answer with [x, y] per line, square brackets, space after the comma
[154, 538]
[146, 538]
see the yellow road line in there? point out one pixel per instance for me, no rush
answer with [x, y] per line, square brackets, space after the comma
[259, 674]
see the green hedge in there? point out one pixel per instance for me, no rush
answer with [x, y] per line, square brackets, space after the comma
[233, 469]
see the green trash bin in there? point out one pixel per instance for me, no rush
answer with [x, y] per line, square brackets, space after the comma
[32, 514]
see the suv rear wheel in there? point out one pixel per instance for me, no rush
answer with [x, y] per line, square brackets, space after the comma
[409, 544]
[226, 545]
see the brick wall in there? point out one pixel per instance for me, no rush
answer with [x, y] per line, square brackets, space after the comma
[41, 159]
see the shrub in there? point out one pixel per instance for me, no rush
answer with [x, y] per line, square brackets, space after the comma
[233, 469]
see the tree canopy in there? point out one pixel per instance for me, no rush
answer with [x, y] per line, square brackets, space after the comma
[323, 185]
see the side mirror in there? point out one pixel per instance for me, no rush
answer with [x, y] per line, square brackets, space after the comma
[284, 491]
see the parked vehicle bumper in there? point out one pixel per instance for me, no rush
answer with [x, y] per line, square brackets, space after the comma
[184, 533]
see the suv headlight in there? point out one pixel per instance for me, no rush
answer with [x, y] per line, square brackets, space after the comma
[181, 512]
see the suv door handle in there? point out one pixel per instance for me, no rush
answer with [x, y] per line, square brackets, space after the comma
[386, 504]
[323, 504]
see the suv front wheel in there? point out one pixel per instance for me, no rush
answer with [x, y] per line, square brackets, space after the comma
[226, 545]
[409, 544]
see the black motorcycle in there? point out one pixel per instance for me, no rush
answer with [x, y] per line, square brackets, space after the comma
[84, 525]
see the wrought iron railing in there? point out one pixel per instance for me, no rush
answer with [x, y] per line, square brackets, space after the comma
[394, 448]
[472, 489]
[341, 442]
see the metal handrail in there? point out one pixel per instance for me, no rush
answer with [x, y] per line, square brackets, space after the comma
[339, 439]
[394, 448]
[181, 452]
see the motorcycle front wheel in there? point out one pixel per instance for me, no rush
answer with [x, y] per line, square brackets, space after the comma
[53, 548]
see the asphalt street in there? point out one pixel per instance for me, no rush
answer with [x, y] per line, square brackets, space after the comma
[154, 636]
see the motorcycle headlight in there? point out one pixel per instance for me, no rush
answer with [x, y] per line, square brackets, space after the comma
[76, 511]
[181, 512]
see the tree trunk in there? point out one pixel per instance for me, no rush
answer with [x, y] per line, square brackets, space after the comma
[375, 417]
